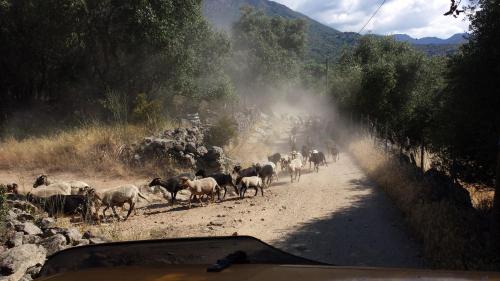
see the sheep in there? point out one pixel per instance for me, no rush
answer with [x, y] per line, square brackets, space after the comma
[76, 186]
[305, 152]
[322, 158]
[61, 188]
[334, 151]
[314, 159]
[118, 196]
[255, 182]
[294, 168]
[284, 161]
[222, 179]
[297, 155]
[267, 172]
[248, 172]
[200, 187]
[172, 185]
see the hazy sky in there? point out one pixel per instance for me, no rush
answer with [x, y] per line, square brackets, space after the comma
[418, 18]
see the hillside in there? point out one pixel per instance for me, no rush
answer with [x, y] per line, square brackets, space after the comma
[322, 40]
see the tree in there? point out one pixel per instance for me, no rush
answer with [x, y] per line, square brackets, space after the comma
[71, 53]
[267, 50]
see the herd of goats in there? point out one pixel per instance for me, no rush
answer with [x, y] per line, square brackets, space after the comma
[79, 198]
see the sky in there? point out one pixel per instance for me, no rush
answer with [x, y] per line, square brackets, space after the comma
[417, 18]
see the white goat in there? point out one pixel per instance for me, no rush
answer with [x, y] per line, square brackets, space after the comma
[118, 196]
[294, 168]
[255, 182]
[200, 187]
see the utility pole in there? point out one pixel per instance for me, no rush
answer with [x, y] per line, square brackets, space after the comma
[326, 80]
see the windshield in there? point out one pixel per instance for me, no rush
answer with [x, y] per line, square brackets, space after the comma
[355, 133]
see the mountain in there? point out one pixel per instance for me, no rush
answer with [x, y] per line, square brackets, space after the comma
[456, 39]
[322, 41]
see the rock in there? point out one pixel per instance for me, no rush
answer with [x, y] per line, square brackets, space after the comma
[191, 147]
[15, 240]
[26, 277]
[52, 231]
[11, 224]
[23, 205]
[262, 219]
[82, 242]
[34, 271]
[96, 240]
[45, 223]
[216, 223]
[179, 147]
[72, 235]
[23, 217]
[14, 262]
[214, 153]
[29, 228]
[87, 234]
[234, 234]
[201, 150]
[31, 239]
[54, 243]
[188, 160]
[11, 215]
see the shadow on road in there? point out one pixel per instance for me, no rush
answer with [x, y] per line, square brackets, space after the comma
[357, 235]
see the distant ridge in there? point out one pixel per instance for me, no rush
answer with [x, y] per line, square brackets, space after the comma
[455, 39]
[322, 41]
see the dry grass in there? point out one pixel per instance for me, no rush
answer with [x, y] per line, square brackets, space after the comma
[451, 236]
[94, 148]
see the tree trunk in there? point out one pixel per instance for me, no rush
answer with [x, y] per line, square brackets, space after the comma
[422, 157]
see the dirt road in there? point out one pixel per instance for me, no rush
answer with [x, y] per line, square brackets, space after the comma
[336, 216]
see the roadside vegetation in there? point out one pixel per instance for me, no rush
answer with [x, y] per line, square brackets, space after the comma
[445, 107]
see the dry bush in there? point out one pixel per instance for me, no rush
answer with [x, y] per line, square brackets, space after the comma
[94, 148]
[450, 235]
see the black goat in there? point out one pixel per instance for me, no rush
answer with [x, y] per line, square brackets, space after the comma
[56, 205]
[172, 185]
[275, 158]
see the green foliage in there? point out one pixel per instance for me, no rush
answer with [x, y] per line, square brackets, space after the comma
[471, 102]
[146, 111]
[392, 84]
[76, 53]
[267, 50]
[221, 132]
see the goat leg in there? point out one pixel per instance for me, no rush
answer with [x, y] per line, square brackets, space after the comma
[132, 205]
[236, 189]
[114, 212]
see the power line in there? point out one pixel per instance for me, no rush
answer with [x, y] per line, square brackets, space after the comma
[376, 11]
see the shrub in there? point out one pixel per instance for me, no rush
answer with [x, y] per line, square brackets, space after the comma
[222, 132]
[3, 204]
